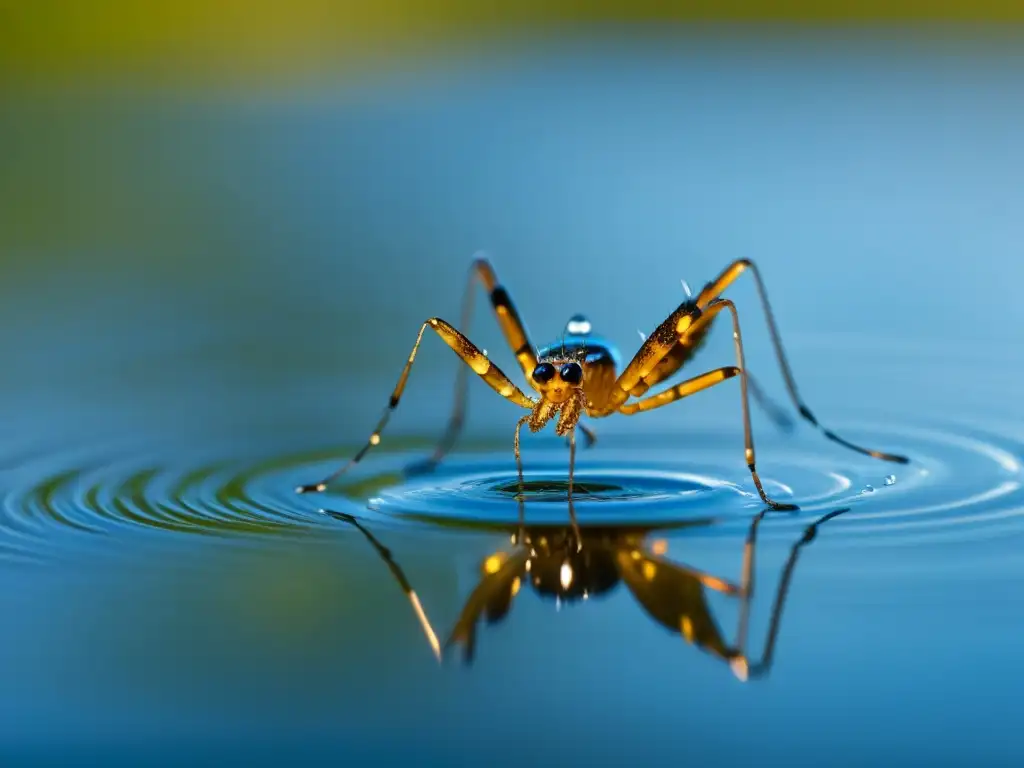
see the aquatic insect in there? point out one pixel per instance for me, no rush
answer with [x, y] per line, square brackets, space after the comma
[578, 374]
[558, 564]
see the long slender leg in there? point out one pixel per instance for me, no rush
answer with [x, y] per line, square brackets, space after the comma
[396, 571]
[519, 468]
[469, 353]
[515, 334]
[748, 433]
[741, 663]
[709, 379]
[714, 289]
[522, 488]
[572, 470]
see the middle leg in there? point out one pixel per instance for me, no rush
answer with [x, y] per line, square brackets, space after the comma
[683, 352]
[710, 379]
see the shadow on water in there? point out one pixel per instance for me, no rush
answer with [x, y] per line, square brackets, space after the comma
[561, 565]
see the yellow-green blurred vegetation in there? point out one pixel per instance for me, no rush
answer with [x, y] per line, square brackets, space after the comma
[199, 42]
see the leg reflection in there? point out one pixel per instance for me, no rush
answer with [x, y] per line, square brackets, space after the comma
[740, 662]
[399, 575]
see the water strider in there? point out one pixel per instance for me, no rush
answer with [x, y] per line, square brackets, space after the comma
[579, 374]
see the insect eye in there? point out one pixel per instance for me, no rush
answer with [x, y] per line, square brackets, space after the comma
[543, 373]
[571, 373]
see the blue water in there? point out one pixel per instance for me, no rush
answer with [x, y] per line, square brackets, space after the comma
[206, 301]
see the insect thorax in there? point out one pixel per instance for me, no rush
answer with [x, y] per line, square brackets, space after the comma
[589, 350]
[580, 344]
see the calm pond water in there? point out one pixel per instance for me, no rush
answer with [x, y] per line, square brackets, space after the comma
[207, 298]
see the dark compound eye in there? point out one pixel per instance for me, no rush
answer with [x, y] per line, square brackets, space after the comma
[571, 373]
[543, 373]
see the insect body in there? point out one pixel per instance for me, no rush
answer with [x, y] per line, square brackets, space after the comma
[580, 374]
[559, 563]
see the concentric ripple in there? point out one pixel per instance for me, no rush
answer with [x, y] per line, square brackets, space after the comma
[961, 483]
[112, 489]
[611, 489]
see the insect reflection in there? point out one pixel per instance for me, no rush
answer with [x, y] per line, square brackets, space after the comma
[557, 564]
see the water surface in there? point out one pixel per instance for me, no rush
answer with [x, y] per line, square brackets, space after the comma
[206, 303]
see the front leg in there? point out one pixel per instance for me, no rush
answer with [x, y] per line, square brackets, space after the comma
[470, 354]
[536, 420]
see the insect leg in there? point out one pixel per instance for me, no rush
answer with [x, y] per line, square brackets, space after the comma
[748, 435]
[684, 351]
[740, 663]
[713, 290]
[653, 350]
[710, 379]
[522, 488]
[679, 391]
[470, 355]
[515, 334]
[572, 470]
[396, 571]
[519, 468]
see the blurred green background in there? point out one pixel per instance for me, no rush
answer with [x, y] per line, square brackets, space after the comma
[198, 43]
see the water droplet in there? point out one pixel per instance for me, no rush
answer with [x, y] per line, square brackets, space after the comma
[643, 336]
[868, 489]
[686, 289]
[890, 480]
[578, 325]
